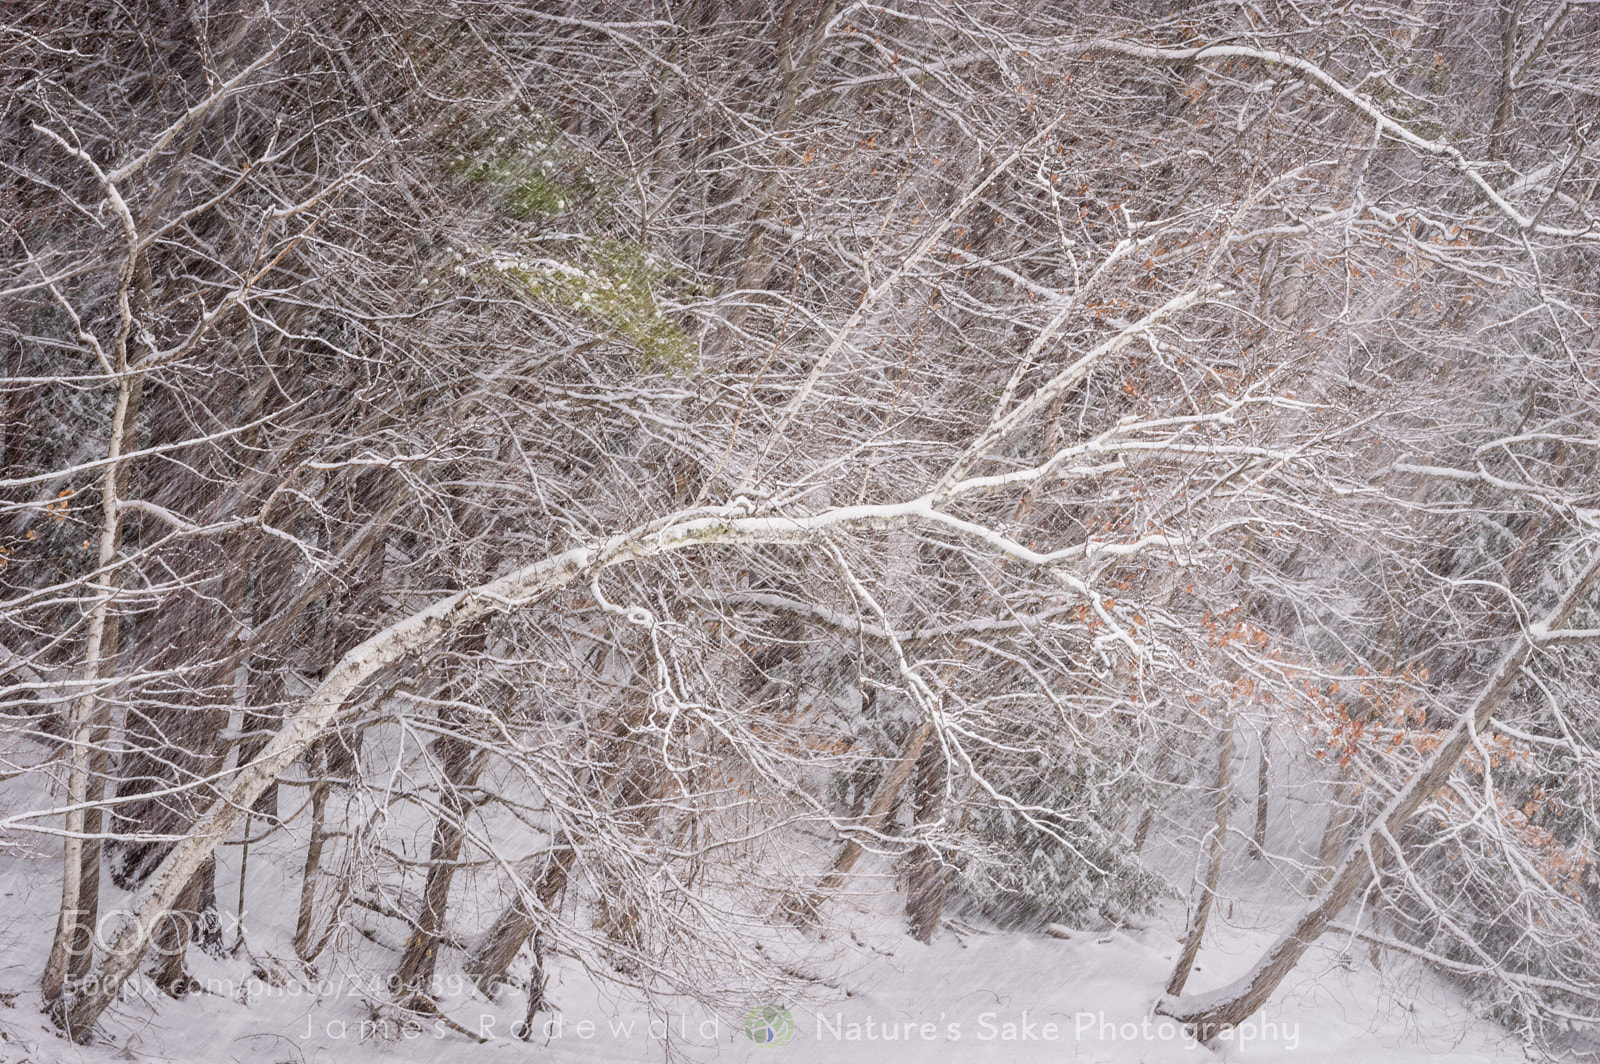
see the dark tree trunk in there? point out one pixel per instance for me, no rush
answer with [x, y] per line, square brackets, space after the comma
[303, 947]
[1258, 838]
[1341, 807]
[800, 47]
[804, 910]
[461, 762]
[925, 885]
[519, 921]
[536, 984]
[182, 925]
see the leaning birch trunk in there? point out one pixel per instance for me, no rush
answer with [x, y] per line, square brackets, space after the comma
[394, 644]
[1231, 1004]
[1216, 846]
[388, 647]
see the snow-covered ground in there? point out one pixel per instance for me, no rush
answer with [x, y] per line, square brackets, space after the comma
[877, 996]
[973, 995]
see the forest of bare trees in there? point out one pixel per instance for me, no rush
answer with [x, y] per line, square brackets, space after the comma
[487, 480]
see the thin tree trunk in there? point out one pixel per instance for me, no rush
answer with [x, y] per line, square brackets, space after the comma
[1510, 12]
[1217, 844]
[804, 910]
[925, 886]
[81, 959]
[536, 984]
[462, 762]
[800, 43]
[1141, 834]
[1258, 838]
[72, 947]
[519, 921]
[244, 873]
[1341, 810]
[263, 686]
[1233, 1003]
[333, 756]
[303, 947]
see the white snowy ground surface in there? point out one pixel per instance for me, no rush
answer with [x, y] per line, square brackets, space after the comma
[972, 996]
[961, 999]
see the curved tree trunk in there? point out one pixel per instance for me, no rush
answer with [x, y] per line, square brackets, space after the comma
[427, 627]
